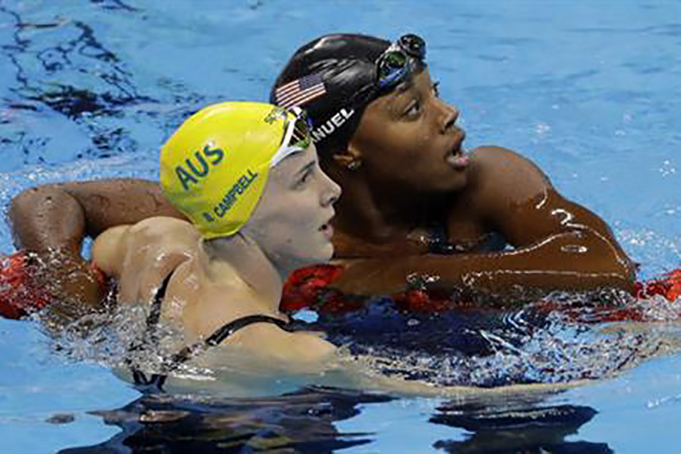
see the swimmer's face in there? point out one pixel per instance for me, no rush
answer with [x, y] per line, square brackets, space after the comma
[409, 138]
[291, 221]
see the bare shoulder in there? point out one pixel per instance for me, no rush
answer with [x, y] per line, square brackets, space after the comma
[140, 256]
[507, 165]
[164, 230]
[109, 249]
[504, 176]
[161, 243]
[276, 347]
[158, 234]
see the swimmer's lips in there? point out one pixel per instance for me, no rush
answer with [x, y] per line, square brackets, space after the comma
[326, 229]
[456, 156]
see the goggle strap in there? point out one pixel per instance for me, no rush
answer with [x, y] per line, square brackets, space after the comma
[287, 148]
[282, 153]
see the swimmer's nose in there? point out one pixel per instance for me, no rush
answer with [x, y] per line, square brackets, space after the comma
[449, 116]
[331, 192]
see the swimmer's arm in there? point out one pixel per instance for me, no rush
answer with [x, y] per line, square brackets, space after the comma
[52, 220]
[536, 219]
[517, 275]
[60, 215]
[559, 245]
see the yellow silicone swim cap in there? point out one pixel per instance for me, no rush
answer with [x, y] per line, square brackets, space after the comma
[215, 166]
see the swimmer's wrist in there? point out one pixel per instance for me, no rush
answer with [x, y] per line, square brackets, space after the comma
[66, 277]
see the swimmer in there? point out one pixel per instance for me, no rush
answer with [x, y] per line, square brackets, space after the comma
[417, 209]
[246, 176]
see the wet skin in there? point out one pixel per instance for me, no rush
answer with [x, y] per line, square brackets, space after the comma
[413, 171]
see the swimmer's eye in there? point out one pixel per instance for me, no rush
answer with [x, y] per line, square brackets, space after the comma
[304, 178]
[414, 109]
[436, 89]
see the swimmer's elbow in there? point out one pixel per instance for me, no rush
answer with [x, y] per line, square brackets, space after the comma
[624, 272]
[46, 217]
[607, 257]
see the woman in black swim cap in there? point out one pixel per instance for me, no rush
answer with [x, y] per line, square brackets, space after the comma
[410, 189]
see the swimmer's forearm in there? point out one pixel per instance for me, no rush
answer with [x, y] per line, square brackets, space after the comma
[576, 261]
[86, 208]
[61, 215]
[52, 220]
[51, 226]
[109, 203]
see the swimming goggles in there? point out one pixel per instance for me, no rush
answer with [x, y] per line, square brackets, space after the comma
[393, 66]
[296, 134]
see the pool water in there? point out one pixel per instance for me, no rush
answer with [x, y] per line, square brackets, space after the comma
[587, 90]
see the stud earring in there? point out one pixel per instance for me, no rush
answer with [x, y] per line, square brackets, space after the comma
[354, 165]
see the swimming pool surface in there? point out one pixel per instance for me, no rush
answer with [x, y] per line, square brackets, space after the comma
[589, 90]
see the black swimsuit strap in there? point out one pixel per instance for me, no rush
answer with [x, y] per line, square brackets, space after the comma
[223, 333]
[156, 381]
[150, 334]
[235, 325]
[155, 311]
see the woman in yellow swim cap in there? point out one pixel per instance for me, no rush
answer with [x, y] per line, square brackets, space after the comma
[247, 177]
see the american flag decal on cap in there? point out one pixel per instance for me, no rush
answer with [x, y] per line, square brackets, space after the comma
[300, 91]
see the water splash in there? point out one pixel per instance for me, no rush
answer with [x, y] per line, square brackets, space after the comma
[529, 345]
[121, 339]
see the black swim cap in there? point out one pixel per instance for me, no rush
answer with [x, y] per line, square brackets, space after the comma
[327, 77]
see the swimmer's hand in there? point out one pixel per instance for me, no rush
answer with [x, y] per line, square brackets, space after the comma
[71, 282]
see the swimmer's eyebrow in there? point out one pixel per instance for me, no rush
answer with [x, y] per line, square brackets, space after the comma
[404, 87]
[306, 168]
[394, 101]
[399, 93]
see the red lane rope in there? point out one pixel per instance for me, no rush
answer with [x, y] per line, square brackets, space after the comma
[309, 288]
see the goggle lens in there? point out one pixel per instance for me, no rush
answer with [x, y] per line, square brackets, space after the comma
[413, 45]
[395, 64]
[297, 130]
[301, 132]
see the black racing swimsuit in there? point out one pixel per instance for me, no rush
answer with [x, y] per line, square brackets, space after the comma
[338, 328]
[438, 243]
[188, 352]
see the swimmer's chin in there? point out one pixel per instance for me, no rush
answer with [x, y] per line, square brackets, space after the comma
[327, 253]
[322, 255]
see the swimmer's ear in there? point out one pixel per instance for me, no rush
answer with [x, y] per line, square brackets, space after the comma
[350, 159]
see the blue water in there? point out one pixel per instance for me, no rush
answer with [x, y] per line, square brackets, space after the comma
[589, 90]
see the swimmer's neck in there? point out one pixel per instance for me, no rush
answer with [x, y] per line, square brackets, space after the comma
[380, 215]
[239, 254]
